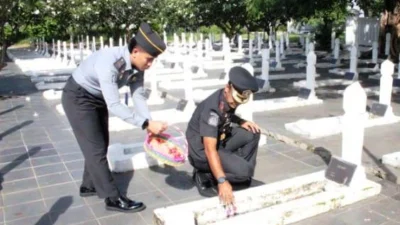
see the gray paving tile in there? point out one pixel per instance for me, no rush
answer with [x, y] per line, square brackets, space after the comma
[13, 166]
[42, 146]
[11, 144]
[20, 185]
[71, 157]
[359, 216]
[2, 216]
[387, 207]
[298, 154]
[388, 188]
[38, 140]
[24, 210]
[76, 175]
[272, 157]
[12, 151]
[72, 215]
[55, 178]
[22, 197]
[391, 223]
[13, 158]
[37, 220]
[59, 190]
[49, 169]
[45, 153]
[147, 214]
[100, 211]
[134, 185]
[281, 147]
[63, 203]
[313, 160]
[66, 144]
[151, 198]
[18, 175]
[122, 219]
[42, 161]
[75, 165]
[178, 194]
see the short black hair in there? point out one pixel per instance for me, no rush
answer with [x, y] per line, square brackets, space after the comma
[132, 44]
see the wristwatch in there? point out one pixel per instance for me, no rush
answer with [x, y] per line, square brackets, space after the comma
[221, 180]
[145, 124]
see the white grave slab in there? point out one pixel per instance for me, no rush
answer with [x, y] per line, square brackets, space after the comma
[46, 86]
[282, 202]
[322, 127]
[172, 116]
[324, 83]
[392, 159]
[340, 71]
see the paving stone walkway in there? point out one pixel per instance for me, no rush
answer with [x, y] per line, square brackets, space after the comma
[41, 166]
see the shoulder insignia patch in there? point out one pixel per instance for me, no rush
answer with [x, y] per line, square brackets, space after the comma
[120, 65]
[213, 119]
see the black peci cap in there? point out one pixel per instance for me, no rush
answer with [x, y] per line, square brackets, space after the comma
[149, 40]
[243, 83]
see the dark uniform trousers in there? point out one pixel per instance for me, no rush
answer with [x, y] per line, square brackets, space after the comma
[88, 117]
[238, 156]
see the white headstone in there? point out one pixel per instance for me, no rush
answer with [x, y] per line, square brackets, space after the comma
[165, 37]
[87, 43]
[65, 52]
[240, 44]
[354, 61]
[94, 44]
[282, 46]
[111, 42]
[101, 42]
[265, 67]
[227, 58]
[287, 41]
[58, 50]
[307, 44]
[311, 70]
[375, 52]
[386, 85]
[277, 56]
[333, 36]
[154, 98]
[354, 118]
[71, 46]
[120, 42]
[251, 51]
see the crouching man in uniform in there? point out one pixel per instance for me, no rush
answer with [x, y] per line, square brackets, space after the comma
[222, 146]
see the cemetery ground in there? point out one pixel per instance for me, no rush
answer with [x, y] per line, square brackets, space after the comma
[41, 164]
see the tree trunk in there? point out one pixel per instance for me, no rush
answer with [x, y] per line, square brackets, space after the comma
[4, 46]
[393, 23]
[382, 32]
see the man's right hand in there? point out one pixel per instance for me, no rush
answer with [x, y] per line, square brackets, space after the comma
[156, 127]
[225, 194]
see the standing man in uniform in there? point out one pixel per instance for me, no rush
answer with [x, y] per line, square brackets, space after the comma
[223, 154]
[92, 91]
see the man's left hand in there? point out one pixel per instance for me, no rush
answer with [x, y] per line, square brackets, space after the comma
[250, 126]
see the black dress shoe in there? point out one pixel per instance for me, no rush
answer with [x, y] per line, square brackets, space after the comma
[205, 185]
[123, 204]
[85, 192]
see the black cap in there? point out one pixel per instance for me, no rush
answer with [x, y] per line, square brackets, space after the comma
[243, 83]
[149, 40]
